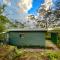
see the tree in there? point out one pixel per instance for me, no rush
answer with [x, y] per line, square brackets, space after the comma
[3, 19]
[53, 17]
[2, 8]
[32, 17]
[49, 17]
[42, 22]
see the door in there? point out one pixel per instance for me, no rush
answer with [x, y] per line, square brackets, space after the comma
[54, 37]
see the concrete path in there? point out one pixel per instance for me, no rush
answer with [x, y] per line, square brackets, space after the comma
[51, 45]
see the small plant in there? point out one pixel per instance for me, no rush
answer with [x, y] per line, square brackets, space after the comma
[53, 55]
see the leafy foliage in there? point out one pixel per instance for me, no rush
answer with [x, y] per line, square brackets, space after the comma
[52, 17]
[53, 55]
[3, 19]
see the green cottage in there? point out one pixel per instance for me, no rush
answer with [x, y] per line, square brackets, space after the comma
[27, 37]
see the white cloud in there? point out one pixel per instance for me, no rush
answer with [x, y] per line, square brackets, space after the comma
[48, 3]
[24, 5]
[7, 2]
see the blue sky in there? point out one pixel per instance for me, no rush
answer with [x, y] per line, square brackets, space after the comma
[17, 9]
[11, 9]
[36, 5]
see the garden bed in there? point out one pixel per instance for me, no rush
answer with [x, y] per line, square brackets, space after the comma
[13, 53]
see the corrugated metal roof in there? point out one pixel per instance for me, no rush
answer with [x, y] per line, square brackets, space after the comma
[25, 29]
[56, 29]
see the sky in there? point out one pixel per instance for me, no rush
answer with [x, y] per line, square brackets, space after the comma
[56, 4]
[17, 9]
[35, 5]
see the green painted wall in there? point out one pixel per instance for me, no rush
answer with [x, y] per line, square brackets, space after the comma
[54, 37]
[31, 38]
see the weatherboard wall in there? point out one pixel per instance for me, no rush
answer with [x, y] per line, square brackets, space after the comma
[27, 38]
